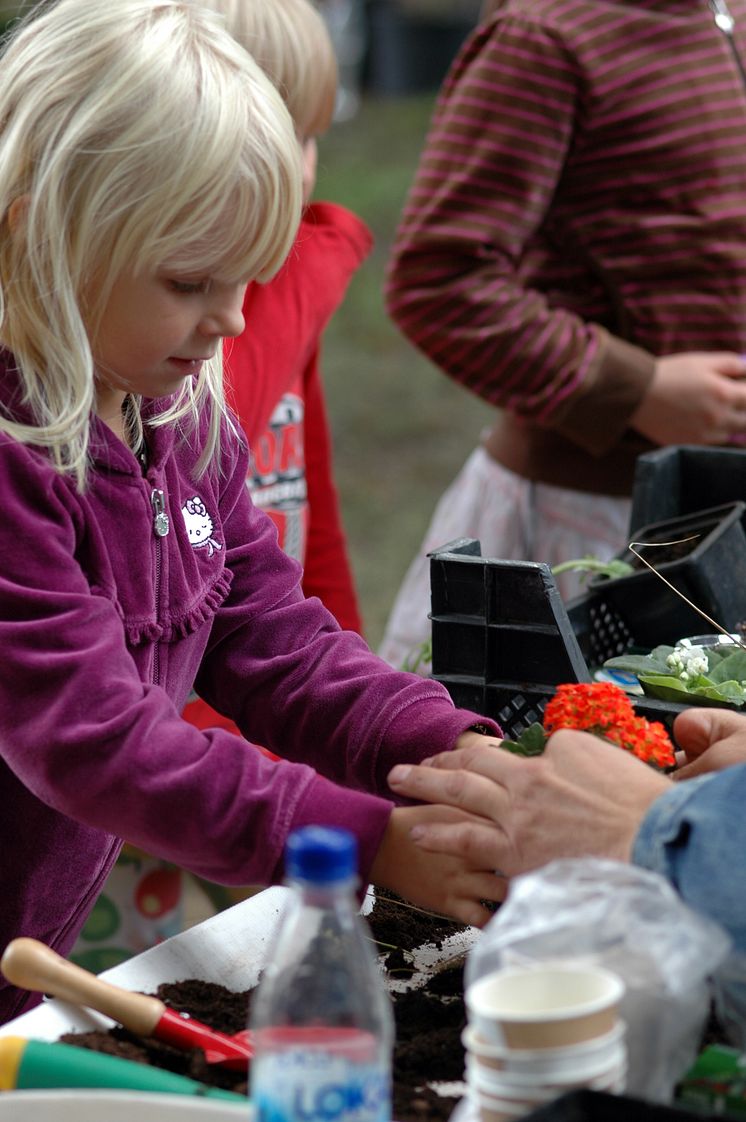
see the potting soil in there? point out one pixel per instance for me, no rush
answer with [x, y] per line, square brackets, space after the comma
[429, 1019]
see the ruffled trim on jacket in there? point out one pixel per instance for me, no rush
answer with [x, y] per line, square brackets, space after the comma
[149, 631]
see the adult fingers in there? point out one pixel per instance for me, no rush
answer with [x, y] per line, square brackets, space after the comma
[724, 754]
[482, 792]
[696, 730]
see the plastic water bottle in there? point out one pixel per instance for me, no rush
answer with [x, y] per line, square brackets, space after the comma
[321, 1018]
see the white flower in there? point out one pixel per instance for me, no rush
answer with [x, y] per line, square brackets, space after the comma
[687, 661]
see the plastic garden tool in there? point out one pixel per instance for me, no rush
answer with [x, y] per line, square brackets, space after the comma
[27, 1064]
[34, 966]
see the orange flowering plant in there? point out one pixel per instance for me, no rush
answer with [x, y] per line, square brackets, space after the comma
[606, 711]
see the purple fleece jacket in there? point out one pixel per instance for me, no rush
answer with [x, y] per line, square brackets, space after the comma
[104, 628]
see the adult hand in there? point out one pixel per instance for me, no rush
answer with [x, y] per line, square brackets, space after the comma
[581, 798]
[709, 740]
[448, 883]
[695, 398]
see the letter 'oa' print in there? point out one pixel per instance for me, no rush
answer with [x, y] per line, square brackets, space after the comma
[199, 525]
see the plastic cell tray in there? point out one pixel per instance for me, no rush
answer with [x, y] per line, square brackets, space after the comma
[710, 571]
[683, 479]
[503, 638]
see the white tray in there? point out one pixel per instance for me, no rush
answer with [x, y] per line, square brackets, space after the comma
[230, 948]
[114, 1106]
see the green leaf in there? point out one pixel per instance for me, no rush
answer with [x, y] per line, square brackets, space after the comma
[731, 691]
[611, 569]
[531, 742]
[641, 664]
[701, 691]
[729, 667]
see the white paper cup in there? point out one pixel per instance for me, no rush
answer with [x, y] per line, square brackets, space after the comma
[505, 1085]
[583, 1061]
[544, 1005]
[492, 1109]
[527, 1096]
[519, 1082]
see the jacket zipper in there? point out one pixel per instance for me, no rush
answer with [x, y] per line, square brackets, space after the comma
[160, 528]
[725, 22]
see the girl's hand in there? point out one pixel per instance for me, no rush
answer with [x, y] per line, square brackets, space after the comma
[473, 739]
[695, 398]
[445, 882]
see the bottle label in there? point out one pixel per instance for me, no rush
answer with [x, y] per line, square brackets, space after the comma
[298, 1085]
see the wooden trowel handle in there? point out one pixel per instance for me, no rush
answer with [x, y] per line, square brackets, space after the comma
[34, 966]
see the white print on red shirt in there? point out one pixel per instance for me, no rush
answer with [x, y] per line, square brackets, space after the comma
[277, 479]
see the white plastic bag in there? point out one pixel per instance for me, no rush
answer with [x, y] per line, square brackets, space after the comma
[632, 922]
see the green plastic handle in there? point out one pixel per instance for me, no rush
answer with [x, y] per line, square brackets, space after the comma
[43, 1064]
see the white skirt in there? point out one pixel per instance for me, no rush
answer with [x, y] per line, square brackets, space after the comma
[515, 520]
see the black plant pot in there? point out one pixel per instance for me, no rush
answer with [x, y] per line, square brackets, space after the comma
[709, 569]
[684, 479]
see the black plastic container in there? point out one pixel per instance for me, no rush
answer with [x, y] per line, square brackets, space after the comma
[709, 570]
[503, 638]
[600, 1106]
[683, 479]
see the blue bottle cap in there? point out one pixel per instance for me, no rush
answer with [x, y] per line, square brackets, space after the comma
[321, 854]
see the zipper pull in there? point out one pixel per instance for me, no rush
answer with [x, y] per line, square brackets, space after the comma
[723, 18]
[160, 518]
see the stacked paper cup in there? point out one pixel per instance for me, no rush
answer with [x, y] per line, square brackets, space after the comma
[535, 1032]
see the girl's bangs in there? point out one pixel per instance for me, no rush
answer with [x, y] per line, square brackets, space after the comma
[248, 240]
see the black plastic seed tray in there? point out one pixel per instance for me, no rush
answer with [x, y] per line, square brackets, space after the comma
[683, 479]
[701, 555]
[503, 639]
[500, 619]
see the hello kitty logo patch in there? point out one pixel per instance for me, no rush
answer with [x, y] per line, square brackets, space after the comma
[199, 525]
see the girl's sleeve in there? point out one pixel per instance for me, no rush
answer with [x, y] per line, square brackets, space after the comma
[280, 667]
[327, 571]
[90, 735]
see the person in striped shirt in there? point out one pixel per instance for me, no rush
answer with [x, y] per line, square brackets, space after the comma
[573, 251]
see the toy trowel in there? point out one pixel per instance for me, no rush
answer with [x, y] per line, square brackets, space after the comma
[34, 966]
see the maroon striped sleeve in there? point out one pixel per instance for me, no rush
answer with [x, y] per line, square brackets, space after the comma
[583, 181]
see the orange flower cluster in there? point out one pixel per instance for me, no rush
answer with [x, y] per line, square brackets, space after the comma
[606, 710]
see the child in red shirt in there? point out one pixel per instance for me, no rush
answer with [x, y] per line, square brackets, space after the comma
[273, 379]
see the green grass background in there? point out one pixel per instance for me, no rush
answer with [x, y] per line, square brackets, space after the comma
[401, 427]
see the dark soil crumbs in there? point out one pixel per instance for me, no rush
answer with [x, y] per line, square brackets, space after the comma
[429, 1020]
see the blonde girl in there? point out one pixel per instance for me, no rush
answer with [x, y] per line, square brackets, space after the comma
[148, 171]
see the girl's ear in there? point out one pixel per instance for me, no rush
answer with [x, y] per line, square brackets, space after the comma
[17, 212]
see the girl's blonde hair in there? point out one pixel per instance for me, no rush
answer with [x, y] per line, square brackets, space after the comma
[290, 41]
[132, 135]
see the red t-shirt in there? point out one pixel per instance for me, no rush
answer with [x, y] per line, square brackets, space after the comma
[273, 383]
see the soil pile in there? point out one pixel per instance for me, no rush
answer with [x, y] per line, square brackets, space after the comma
[429, 1019]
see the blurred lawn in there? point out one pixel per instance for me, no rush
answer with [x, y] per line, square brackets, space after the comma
[401, 427]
